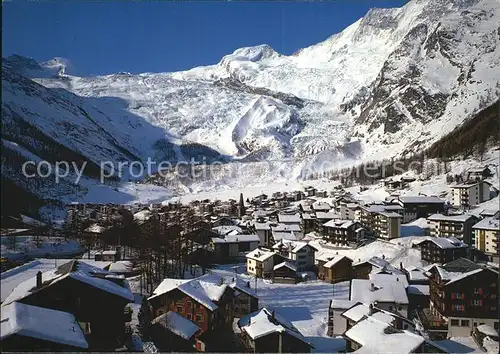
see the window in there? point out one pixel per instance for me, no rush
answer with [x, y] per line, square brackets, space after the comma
[478, 291]
[199, 318]
[458, 308]
[179, 309]
[189, 316]
[457, 296]
[454, 323]
[465, 323]
[477, 302]
[390, 308]
[495, 325]
[400, 308]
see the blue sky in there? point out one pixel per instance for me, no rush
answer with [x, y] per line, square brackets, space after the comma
[107, 37]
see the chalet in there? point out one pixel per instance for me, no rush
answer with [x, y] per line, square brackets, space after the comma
[265, 331]
[97, 298]
[416, 207]
[310, 191]
[458, 226]
[285, 232]
[27, 328]
[206, 301]
[289, 219]
[322, 217]
[384, 337]
[487, 236]
[302, 253]
[441, 249]
[173, 332]
[344, 232]
[389, 294]
[335, 269]
[285, 272]
[478, 174]
[463, 295]
[108, 256]
[233, 247]
[260, 262]
[416, 276]
[469, 194]
[362, 268]
[246, 300]
[337, 324]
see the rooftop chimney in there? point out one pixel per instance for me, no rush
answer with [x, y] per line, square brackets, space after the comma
[401, 265]
[372, 287]
[273, 315]
[39, 279]
[370, 310]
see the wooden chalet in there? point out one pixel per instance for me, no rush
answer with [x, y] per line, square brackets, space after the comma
[95, 297]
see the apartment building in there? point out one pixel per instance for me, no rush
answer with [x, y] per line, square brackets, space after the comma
[471, 193]
[459, 226]
[487, 236]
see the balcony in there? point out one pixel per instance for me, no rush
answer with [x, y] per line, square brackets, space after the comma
[430, 321]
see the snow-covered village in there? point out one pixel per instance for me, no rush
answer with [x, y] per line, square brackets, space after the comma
[171, 184]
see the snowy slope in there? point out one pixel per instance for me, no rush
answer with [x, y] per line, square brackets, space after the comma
[393, 82]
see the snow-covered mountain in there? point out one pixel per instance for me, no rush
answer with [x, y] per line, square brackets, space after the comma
[393, 82]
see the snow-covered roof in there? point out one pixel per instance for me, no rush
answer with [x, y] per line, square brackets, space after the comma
[120, 267]
[226, 229]
[320, 205]
[77, 270]
[41, 323]
[292, 235]
[288, 265]
[96, 228]
[341, 224]
[490, 223]
[420, 200]
[377, 336]
[459, 277]
[289, 218]
[262, 225]
[326, 215]
[342, 304]
[32, 222]
[389, 214]
[334, 260]
[263, 322]
[205, 289]
[488, 330]
[381, 278]
[416, 273]
[260, 255]
[443, 242]
[285, 227]
[418, 289]
[386, 291]
[177, 324]
[167, 285]
[143, 215]
[357, 312]
[236, 238]
[457, 218]
[242, 286]
[13, 277]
